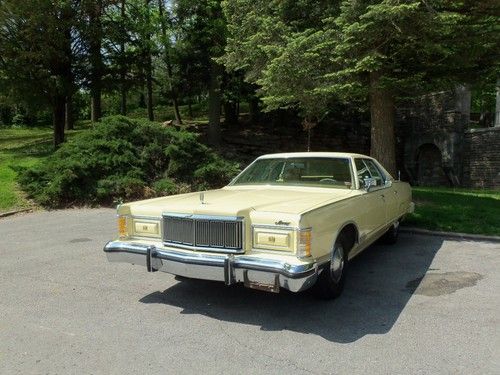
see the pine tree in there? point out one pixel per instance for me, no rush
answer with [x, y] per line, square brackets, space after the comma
[36, 55]
[366, 50]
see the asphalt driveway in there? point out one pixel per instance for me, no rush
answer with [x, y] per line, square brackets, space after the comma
[426, 305]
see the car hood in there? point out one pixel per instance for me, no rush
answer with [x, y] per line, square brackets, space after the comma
[240, 201]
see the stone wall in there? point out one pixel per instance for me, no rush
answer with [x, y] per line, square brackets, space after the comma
[482, 158]
[250, 142]
[431, 129]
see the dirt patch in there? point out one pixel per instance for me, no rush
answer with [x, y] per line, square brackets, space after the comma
[438, 284]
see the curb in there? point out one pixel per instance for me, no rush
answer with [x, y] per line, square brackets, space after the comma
[461, 236]
[10, 213]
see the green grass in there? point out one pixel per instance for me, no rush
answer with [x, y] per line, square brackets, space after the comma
[456, 210]
[21, 147]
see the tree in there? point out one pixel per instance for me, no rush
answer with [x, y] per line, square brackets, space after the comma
[36, 61]
[355, 51]
[167, 59]
[92, 34]
[204, 33]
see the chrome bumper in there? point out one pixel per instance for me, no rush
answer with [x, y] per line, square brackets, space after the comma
[257, 273]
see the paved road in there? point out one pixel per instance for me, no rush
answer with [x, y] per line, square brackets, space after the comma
[426, 305]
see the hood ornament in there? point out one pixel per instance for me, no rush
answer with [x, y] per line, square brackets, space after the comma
[202, 198]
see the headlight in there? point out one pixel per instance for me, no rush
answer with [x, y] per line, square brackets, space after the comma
[146, 228]
[268, 238]
[129, 226]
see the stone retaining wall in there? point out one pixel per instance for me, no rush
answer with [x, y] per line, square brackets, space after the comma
[482, 158]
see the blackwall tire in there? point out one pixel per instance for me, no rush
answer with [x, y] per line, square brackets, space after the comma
[331, 280]
[392, 234]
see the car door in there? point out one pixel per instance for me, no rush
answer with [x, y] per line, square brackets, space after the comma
[374, 201]
[392, 198]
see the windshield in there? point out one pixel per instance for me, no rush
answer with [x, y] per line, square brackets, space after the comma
[308, 171]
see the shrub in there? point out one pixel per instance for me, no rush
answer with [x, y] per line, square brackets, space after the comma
[123, 159]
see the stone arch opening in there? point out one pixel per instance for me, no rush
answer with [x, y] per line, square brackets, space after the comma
[429, 166]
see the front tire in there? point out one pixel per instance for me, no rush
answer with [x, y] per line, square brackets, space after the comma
[331, 281]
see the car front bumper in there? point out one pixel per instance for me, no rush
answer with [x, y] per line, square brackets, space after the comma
[255, 272]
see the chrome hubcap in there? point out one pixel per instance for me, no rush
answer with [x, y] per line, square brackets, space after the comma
[337, 263]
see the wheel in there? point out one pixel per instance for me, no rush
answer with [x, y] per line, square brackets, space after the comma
[391, 236]
[331, 281]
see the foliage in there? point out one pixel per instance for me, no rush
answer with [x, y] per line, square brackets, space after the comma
[308, 61]
[123, 159]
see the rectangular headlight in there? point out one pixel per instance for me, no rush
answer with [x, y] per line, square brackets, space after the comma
[146, 228]
[273, 239]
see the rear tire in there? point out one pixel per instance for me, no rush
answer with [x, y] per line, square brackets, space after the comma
[391, 236]
[331, 280]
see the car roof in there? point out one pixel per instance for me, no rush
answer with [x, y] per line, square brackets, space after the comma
[313, 155]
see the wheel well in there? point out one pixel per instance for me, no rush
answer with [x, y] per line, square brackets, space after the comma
[350, 235]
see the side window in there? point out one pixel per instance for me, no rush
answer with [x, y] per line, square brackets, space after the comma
[362, 171]
[367, 169]
[375, 172]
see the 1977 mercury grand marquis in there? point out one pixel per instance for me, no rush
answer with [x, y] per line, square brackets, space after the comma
[288, 221]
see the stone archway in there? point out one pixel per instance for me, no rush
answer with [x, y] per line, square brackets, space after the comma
[429, 166]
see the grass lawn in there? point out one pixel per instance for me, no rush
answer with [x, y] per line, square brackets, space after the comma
[456, 210]
[22, 147]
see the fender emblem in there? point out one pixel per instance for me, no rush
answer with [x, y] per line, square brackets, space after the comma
[281, 222]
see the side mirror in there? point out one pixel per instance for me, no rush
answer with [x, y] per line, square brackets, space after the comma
[369, 183]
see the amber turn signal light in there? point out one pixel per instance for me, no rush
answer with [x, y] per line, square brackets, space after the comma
[122, 226]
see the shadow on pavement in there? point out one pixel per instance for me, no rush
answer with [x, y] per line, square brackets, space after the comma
[380, 283]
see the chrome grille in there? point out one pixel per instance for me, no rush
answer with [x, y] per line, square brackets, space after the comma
[199, 231]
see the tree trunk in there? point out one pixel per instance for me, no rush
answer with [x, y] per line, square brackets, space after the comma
[95, 104]
[190, 107]
[253, 107]
[166, 47]
[148, 66]
[69, 118]
[123, 65]
[230, 113]
[214, 104]
[177, 113]
[142, 99]
[58, 114]
[95, 43]
[383, 117]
